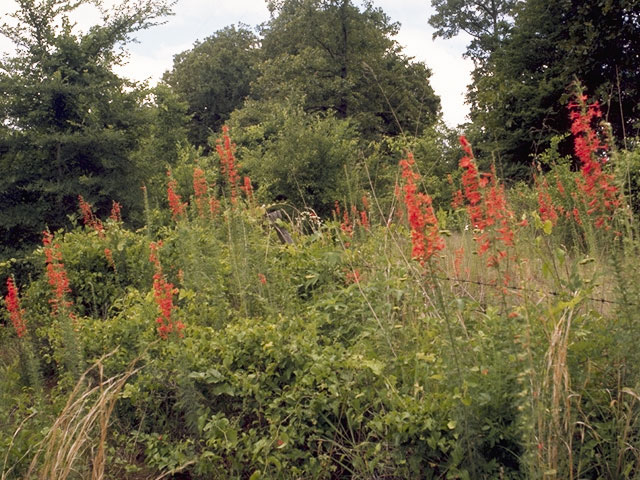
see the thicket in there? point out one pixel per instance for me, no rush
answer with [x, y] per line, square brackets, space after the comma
[492, 339]
[317, 279]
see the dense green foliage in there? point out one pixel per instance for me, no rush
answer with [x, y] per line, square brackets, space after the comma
[70, 125]
[520, 84]
[214, 78]
[334, 357]
[317, 280]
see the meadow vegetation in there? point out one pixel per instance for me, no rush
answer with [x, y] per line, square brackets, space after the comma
[491, 338]
[279, 263]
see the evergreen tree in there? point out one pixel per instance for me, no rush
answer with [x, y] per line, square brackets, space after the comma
[69, 124]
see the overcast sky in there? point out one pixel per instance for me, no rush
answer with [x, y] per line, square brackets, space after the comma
[197, 19]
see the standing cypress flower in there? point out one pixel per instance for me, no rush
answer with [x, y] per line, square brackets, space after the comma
[486, 206]
[16, 314]
[163, 292]
[226, 152]
[247, 188]
[116, 215]
[56, 273]
[346, 226]
[175, 201]
[601, 196]
[89, 218]
[546, 208]
[200, 189]
[425, 234]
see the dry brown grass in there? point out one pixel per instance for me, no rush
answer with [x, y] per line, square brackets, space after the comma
[80, 431]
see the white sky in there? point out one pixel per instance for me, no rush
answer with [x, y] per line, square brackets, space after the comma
[197, 19]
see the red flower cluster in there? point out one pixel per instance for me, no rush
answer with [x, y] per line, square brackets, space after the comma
[364, 218]
[56, 273]
[90, 220]
[247, 188]
[602, 197]
[425, 234]
[350, 220]
[352, 276]
[226, 152]
[200, 188]
[109, 256]
[175, 201]
[486, 206]
[163, 292]
[546, 208]
[115, 215]
[16, 313]
[214, 207]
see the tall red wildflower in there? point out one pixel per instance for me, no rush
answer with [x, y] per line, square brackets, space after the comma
[16, 313]
[425, 234]
[247, 188]
[602, 198]
[200, 188]
[163, 292]
[116, 214]
[226, 153]
[56, 273]
[90, 220]
[546, 208]
[346, 226]
[109, 256]
[175, 201]
[214, 206]
[486, 206]
[364, 216]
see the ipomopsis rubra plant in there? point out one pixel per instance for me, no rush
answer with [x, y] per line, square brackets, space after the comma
[92, 222]
[352, 219]
[16, 312]
[599, 193]
[69, 351]
[491, 219]
[163, 293]
[426, 240]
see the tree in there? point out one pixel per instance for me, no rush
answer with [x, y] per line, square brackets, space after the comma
[520, 84]
[550, 47]
[214, 78]
[69, 123]
[343, 59]
[296, 157]
[487, 21]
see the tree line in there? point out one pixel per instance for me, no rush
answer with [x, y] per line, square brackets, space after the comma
[319, 97]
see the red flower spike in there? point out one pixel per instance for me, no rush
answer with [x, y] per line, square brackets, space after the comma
[163, 292]
[200, 189]
[425, 234]
[56, 273]
[175, 201]
[596, 185]
[247, 188]
[116, 215]
[16, 313]
[89, 218]
[486, 205]
[228, 167]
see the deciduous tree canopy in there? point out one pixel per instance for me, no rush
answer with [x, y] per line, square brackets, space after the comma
[519, 90]
[214, 78]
